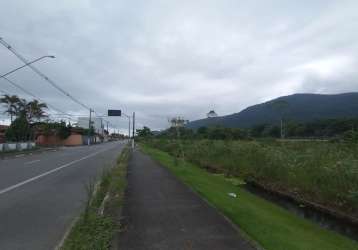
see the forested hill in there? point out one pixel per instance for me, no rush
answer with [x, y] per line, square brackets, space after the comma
[297, 107]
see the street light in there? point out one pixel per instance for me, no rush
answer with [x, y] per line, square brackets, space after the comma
[27, 64]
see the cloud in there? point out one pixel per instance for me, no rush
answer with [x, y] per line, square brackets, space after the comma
[166, 58]
[326, 67]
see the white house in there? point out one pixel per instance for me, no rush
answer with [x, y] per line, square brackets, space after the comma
[97, 123]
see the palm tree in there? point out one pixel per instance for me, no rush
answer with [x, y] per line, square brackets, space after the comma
[12, 104]
[35, 110]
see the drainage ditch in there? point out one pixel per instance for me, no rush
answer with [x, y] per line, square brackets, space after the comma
[340, 224]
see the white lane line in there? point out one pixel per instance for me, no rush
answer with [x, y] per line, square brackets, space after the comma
[3, 191]
[31, 162]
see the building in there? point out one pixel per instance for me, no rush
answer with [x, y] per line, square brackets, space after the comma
[97, 124]
[211, 114]
[178, 122]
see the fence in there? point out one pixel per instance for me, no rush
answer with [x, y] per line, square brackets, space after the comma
[16, 146]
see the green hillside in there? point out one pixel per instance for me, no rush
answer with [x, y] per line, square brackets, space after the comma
[297, 107]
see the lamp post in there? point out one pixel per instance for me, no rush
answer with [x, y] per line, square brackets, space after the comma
[27, 64]
[133, 130]
[90, 126]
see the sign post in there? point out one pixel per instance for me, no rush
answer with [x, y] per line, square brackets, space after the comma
[117, 112]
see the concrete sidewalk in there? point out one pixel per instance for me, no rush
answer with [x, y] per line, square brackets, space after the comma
[162, 213]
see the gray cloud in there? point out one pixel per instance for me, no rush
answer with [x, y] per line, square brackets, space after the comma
[166, 58]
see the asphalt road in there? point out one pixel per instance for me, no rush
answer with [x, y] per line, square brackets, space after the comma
[161, 213]
[41, 194]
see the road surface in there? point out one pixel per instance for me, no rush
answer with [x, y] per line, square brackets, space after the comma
[160, 212]
[41, 194]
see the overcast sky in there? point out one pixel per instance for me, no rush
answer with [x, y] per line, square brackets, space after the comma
[167, 58]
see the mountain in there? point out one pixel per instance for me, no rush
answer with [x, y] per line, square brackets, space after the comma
[297, 107]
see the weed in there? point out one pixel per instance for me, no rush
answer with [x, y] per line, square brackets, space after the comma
[273, 227]
[94, 230]
[317, 171]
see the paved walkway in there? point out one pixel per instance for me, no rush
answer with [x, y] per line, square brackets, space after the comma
[162, 213]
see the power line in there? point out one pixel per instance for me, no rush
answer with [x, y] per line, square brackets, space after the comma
[4, 92]
[69, 116]
[34, 96]
[8, 46]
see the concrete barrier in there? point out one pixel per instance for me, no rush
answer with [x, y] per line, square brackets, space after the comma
[10, 146]
[20, 146]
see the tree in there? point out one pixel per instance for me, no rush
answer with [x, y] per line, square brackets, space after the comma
[202, 132]
[63, 130]
[350, 136]
[16, 106]
[35, 110]
[145, 132]
[19, 130]
[12, 104]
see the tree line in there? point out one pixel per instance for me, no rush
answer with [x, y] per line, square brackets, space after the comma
[19, 107]
[26, 117]
[340, 129]
[324, 128]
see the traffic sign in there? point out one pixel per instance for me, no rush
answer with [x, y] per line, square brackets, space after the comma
[114, 112]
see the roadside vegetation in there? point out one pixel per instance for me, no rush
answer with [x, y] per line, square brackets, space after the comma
[320, 172]
[266, 223]
[335, 130]
[29, 119]
[96, 226]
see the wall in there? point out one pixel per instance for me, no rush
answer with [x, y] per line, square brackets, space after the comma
[16, 146]
[52, 140]
[73, 140]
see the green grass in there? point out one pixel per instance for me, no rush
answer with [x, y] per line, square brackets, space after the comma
[320, 172]
[93, 229]
[268, 224]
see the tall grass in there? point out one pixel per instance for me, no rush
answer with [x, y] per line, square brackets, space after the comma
[97, 225]
[323, 172]
[273, 227]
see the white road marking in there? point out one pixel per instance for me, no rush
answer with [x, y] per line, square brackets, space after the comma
[5, 190]
[30, 162]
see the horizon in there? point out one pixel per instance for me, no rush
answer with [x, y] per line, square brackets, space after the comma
[278, 97]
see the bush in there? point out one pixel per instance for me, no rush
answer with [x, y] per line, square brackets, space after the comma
[19, 130]
[351, 136]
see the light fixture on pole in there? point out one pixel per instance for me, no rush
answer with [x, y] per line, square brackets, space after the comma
[27, 64]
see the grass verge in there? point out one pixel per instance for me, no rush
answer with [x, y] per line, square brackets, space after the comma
[96, 226]
[271, 226]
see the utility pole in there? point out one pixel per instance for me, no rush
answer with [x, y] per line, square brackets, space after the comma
[107, 131]
[102, 127]
[282, 132]
[129, 127]
[133, 129]
[89, 127]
